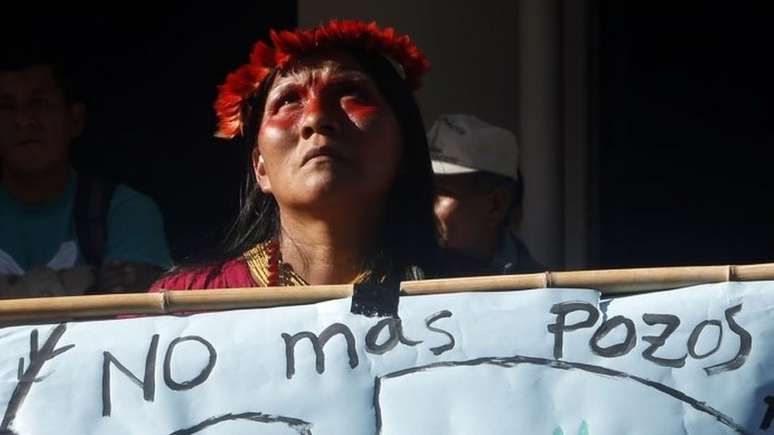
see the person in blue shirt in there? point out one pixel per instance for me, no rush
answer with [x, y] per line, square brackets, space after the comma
[55, 237]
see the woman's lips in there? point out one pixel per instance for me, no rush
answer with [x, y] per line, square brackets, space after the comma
[324, 152]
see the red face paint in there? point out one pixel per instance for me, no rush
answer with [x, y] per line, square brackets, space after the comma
[327, 104]
[284, 121]
[359, 100]
[331, 96]
[358, 110]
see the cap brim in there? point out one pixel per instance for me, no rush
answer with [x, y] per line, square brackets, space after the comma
[445, 168]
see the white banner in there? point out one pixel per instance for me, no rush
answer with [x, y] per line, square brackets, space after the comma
[553, 361]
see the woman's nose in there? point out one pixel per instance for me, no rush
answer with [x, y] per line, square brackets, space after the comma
[320, 117]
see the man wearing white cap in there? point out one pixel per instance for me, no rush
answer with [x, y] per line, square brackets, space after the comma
[480, 191]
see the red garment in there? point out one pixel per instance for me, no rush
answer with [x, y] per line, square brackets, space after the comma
[233, 274]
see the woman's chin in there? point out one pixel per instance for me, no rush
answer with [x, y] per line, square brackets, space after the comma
[333, 191]
[331, 182]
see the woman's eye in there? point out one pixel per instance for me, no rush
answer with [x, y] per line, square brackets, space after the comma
[290, 99]
[286, 100]
[354, 91]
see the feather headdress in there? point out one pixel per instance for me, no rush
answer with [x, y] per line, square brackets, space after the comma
[291, 45]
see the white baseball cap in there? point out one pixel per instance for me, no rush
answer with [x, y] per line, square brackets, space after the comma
[461, 144]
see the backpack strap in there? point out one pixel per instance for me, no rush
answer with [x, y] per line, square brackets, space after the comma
[92, 203]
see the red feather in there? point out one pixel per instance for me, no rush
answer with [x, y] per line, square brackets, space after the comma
[291, 45]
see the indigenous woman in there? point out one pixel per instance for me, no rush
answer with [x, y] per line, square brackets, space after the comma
[339, 186]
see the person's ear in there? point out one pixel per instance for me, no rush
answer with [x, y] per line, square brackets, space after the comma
[259, 168]
[499, 203]
[77, 119]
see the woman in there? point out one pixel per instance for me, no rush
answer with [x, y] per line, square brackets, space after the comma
[339, 186]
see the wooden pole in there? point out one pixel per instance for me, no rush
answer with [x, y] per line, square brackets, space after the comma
[71, 307]
[474, 284]
[228, 299]
[610, 282]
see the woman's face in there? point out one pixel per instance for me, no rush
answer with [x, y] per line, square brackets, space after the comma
[328, 136]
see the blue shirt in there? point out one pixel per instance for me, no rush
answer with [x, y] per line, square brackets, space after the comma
[39, 235]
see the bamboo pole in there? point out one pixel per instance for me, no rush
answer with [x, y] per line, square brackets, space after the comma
[614, 281]
[474, 284]
[624, 281]
[609, 282]
[228, 299]
[753, 272]
[73, 307]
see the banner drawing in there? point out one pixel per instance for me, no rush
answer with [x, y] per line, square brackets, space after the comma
[696, 360]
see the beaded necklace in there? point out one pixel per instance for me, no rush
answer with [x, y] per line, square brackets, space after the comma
[268, 269]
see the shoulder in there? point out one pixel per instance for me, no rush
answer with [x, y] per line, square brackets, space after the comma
[124, 195]
[118, 199]
[232, 274]
[135, 229]
[514, 257]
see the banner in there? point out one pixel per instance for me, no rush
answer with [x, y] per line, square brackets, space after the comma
[696, 360]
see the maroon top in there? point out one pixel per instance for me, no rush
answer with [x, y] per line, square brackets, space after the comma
[236, 274]
[233, 274]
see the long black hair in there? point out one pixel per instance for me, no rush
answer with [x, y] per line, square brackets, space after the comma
[408, 238]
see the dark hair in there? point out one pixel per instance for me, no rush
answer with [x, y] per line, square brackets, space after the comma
[18, 56]
[408, 237]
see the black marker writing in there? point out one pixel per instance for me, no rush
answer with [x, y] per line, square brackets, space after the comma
[317, 345]
[671, 322]
[201, 377]
[614, 350]
[38, 357]
[696, 333]
[564, 366]
[561, 310]
[301, 427]
[148, 383]
[745, 345]
[429, 322]
[395, 328]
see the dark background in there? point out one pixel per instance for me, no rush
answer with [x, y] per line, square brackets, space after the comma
[149, 78]
[686, 133]
[683, 136]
